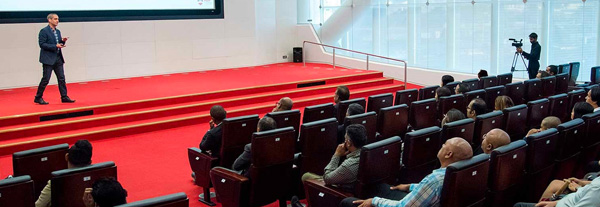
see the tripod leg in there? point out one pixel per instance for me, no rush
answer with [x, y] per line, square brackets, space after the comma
[514, 62]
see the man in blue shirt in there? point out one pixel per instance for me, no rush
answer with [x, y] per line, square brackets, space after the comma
[425, 193]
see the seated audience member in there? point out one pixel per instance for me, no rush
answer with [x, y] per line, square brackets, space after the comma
[493, 139]
[552, 69]
[586, 194]
[425, 193]
[475, 108]
[283, 104]
[593, 97]
[79, 155]
[442, 92]
[580, 109]
[453, 115]
[344, 175]
[542, 74]
[105, 192]
[446, 79]
[482, 73]
[503, 102]
[341, 94]
[548, 123]
[462, 88]
[211, 142]
[353, 109]
[243, 162]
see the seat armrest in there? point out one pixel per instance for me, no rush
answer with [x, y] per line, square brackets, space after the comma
[319, 194]
[232, 189]
[201, 164]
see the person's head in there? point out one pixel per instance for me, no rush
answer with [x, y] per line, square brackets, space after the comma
[580, 109]
[462, 88]
[476, 107]
[453, 115]
[356, 137]
[283, 104]
[341, 94]
[482, 73]
[552, 69]
[493, 139]
[503, 102]
[217, 114]
[80, 154]
[354, 109]
[542, 74]
[533, 37]
[52, 19]
[442, 92]
[108, 192]
[265, 124]
[550, 123]
[593, 96]
[454, 150]
[446, 79]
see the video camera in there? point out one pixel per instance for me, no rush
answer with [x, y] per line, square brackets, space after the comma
[517, 44]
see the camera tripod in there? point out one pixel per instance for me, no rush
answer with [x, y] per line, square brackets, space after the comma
[515, 60]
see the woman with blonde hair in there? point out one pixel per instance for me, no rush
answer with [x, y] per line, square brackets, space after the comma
[503, 102]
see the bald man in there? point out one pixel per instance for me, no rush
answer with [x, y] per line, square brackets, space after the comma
[283, 104]
[493, 139]
[428, 191]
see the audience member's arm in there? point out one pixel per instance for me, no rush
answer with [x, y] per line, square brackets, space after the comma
[337, 175]
[423, 196]
[589, 199]
[244, 160]
[44, 199]
[208, 142]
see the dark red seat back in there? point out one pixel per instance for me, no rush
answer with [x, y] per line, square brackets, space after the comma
[318, 141]
[423, 114]
[452, 102]
[392, 121]
[419, 156]
[562, 83]
[406, 97]
[489, 81]
[369, 120]
[290, 118]
[377, 102]
[237, 132]
[592, 129]
[40, 163]
[515, 121]
[343, 107]
[575, 97]
[473, 83]
[452, 86]
[537, 111]
[541, 152]
[533, 89]
[516, 92]
[379, 162]
[505, 78]
[69, 184]
[559, 107]
[462, 128]
[427, 92]
[507, 171]
[548, 86]
[570, 138]
[491, 94]
[318, 112]
[173, 200]
[469, 96]
[17, 191]
[474, 171]
[485, 123]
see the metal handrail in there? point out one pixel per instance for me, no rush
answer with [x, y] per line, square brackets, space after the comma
[354, 51]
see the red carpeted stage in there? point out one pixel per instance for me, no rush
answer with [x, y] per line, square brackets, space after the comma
[146, 124]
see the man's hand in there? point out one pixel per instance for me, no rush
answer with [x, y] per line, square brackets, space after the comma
[402, 187]
[60, 45]
[519, 50]
[341, 151]
[211, 123]
[364, 203]
[579, 182]
[546, 204]
[88, 200]
[64, 39]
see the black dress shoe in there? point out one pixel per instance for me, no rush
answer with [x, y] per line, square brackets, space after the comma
[40, 101]
[67, 100]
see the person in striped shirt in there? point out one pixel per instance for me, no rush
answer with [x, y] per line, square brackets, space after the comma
[425, 193]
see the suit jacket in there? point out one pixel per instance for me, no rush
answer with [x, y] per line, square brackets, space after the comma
[243, 162]
[48, 50]
[533, 57]
[212, 141]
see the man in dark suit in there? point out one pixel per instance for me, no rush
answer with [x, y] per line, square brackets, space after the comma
[533, 56]
[51, 43]
[341, 94]
[211, 142]
[243, 162]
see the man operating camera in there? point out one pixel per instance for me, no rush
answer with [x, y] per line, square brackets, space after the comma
[533, 56]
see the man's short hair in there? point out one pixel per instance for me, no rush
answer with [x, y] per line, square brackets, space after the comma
[80, 154]
[463, 88]
[479, 106]
[482, 73]
[343, 93]
[533, 35]
[443, 92]
[355, 108]
[267, 123]
[447, 79]
[357, 134]
[553, 69]
[582, 108]
[51, 15]
[595, 94]
[108, 192]
[218, 113]
[550, 122]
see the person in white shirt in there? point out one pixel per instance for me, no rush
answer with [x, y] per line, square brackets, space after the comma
[586, 194]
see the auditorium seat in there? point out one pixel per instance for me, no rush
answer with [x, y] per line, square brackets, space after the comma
[533, 89]
[423, 114]
[317, 141]
[40, 163]
[570, 135]
[465, 182]
[318, 112]
[419, 156]
[491, 94]
[485, 123]
[462, 128]
[427, 92]
[541, 153]
[506, 175]
[548, 86]
[379, 162]
[516, 92]
[452, 102]
[488, 81]
[392, 121]
[537, 110]
[17, 191]
[406, 97]
[559, 107]
[68, 185]
[575, 97]
[515, 121]
[452, 86]
[473, 83]
[369, 120]
[173, 200]
[343, 107]
[562, 83]
[237, 132]
[469, 96]
[505, 78]
[270, 172]
[286, 119]
[377, 102]
[590, 143]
